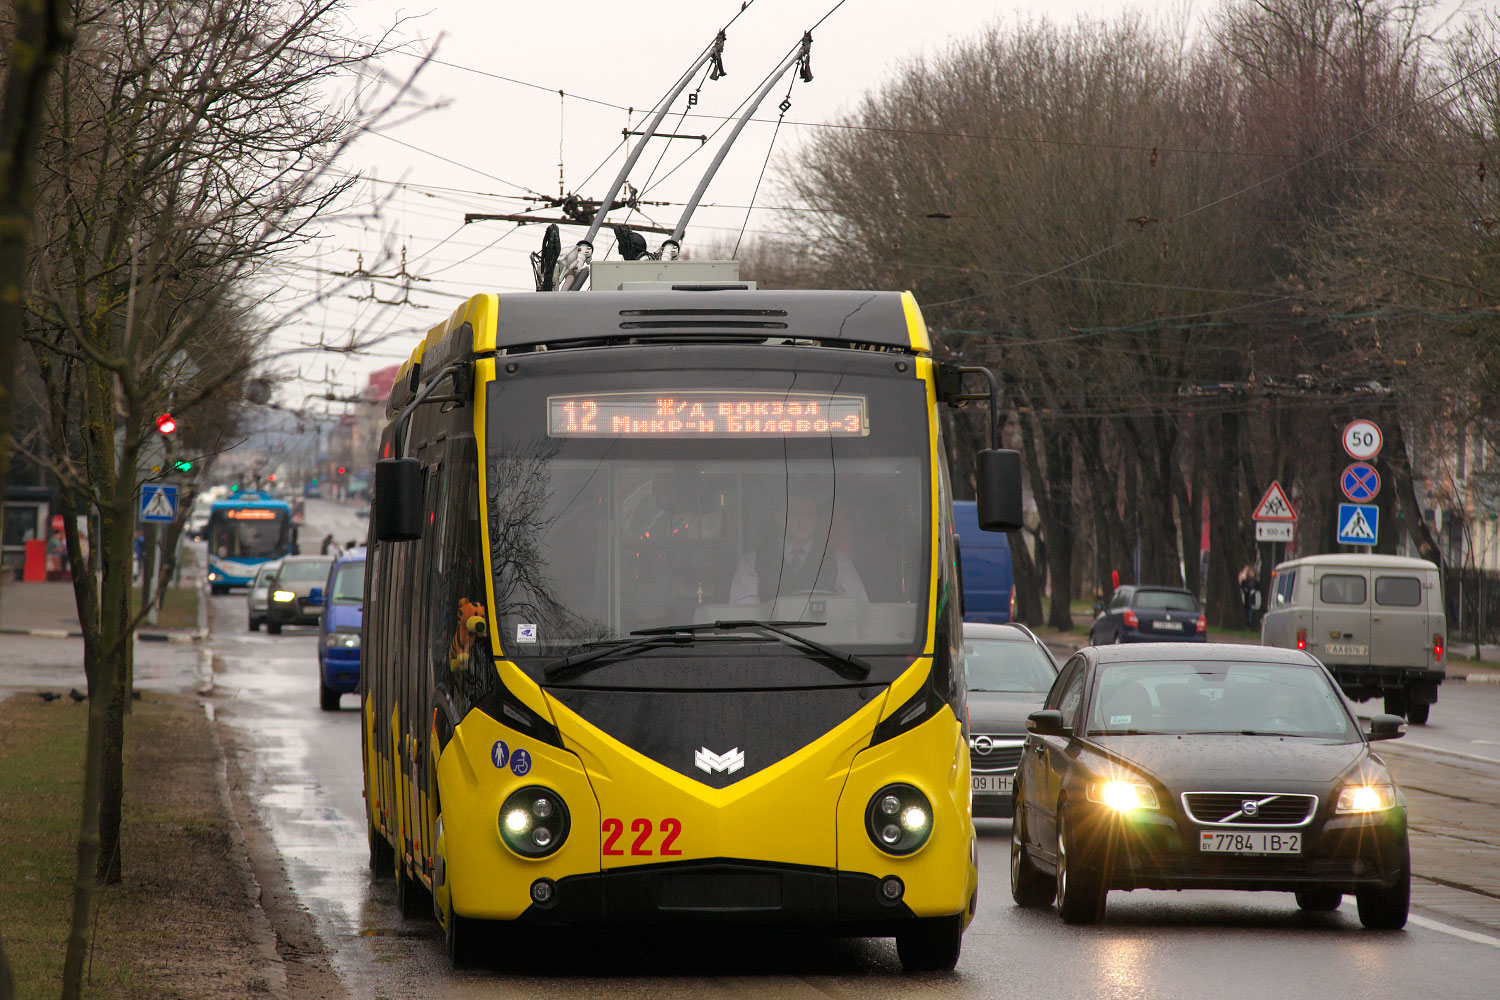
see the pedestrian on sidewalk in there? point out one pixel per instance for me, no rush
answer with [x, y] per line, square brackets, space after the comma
[1250, 595]
[327, 544]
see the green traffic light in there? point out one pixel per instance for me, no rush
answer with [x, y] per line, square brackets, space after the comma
[183, 466]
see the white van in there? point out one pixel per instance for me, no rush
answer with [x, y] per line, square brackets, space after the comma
[1376, 622]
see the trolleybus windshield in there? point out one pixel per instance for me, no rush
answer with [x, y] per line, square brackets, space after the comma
[248, 532]
[692, 497]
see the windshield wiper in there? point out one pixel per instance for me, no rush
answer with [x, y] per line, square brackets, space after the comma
[1127, 732]
[850, 666]
[571, 666]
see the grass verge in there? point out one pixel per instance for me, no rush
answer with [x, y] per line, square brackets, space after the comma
[179, 608]
[181, 923]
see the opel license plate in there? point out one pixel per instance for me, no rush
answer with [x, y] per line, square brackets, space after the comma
[1170, 626]
[992, 784]
[1250, 842]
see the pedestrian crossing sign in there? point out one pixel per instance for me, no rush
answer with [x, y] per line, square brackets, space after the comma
[158, 503]
[1359, 523]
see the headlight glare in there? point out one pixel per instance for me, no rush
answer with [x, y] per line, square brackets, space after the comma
[283, 596]
[899, 819]
[533, 821]
[1366, 798]
[1122, 795]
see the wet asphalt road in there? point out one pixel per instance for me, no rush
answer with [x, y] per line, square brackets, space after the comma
[304, 781]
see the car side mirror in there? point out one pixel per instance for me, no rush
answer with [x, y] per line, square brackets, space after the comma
[1047, 722]
[1387, 727]
[398, 499]
[999, 490]
[315, 596]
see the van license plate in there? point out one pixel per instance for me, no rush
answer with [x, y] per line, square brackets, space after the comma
[1170, 626]
[1346, 649]
[1250, 842]
[992, 784]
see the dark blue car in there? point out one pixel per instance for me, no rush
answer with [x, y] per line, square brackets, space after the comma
[338, 636]
[1149, 614]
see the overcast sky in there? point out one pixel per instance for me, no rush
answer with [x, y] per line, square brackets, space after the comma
[494, 141]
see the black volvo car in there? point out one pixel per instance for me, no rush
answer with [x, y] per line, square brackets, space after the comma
[1210, 767]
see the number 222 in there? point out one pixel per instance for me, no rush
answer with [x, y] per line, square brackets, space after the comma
[613, 828]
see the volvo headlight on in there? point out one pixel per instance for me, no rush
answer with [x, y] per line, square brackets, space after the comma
[899, 819]
[1366, 798]
[533, 821]
[1123, 795]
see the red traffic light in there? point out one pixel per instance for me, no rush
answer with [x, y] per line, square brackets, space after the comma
[273, 477]
[341, 470]
[166, 424]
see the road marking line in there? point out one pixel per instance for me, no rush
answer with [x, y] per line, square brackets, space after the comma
[1457, 932]
[1455, 753]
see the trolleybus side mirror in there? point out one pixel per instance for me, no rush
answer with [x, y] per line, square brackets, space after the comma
[398, 499]
[999, 482]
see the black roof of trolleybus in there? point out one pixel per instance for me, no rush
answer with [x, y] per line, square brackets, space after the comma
[527, 320]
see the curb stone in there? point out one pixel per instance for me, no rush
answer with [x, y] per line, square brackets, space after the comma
[176, 638]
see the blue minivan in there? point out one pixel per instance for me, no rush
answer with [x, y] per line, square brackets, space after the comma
[989, 590]
[338, 635]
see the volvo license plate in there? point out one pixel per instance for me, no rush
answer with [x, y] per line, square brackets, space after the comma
[1250, 842]
[992, 784]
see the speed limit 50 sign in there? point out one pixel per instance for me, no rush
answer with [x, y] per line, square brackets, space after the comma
[1362, 439]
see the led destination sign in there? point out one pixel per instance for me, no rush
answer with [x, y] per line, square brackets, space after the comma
[697, 414]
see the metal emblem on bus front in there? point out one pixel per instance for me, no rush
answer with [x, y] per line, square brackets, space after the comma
[729, 762]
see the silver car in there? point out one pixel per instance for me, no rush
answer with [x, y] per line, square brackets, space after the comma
[259, 595]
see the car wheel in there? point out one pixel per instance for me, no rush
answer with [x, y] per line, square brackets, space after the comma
[930, 944]
[411, 898]
[382, 854]
[1395, 703]
[1417, 713]
[463, 936]
[255, 624]
[1029, 885]
[273, 627]
[1080, 893]
[1319, 900]
[1382, 909]
[328, 698]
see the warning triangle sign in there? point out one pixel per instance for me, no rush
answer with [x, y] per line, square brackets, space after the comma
[1356, 529]
[160, 505]
[1274, 506]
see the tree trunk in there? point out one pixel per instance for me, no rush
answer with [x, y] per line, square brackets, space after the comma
[1027, 580]
[1399, 461]
[1227, 551]
[1060, 531]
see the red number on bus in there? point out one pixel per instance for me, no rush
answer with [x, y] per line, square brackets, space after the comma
[641, 827]
[614, 828]
[590, 410]
[673, 829]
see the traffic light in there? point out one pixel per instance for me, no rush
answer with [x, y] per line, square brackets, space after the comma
[315, 482]
[183, 465]
[166, 424]
[273, 477]
[342, 470]
[235, 488]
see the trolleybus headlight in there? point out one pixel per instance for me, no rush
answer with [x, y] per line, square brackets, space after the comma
[899, 819]
[533, 821]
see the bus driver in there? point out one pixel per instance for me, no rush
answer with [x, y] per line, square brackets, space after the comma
[809, 560]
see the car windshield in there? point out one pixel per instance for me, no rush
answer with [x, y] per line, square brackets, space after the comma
[265, 571]
[349, 584]
[1007, 665]
[1164, 600]
[1178, 698]
[622, 510]
[303, 570]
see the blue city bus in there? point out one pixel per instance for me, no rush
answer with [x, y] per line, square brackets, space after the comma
[243, 533]
[989, 588]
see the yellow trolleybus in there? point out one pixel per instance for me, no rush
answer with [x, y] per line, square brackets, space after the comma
[663, 622]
